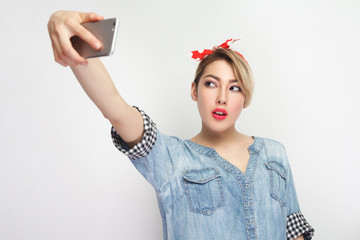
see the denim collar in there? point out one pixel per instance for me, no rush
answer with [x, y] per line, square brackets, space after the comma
[254, 150]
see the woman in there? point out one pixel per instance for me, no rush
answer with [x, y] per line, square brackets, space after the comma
[220, 184]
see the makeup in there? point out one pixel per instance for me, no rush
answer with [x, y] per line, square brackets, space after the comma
[219, 113]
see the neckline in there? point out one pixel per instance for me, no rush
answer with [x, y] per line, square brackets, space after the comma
[253, 149]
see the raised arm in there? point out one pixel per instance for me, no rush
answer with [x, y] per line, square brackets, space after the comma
[92, 75]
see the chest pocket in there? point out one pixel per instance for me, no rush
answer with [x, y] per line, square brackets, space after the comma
[203, 190]
[277, 182]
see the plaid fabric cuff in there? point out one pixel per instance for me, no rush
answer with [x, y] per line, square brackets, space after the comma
[297, 225]
[144, 146]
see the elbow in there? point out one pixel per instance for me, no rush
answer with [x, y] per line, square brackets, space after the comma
[112, 119]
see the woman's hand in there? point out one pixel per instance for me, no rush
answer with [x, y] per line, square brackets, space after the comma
[65, 24]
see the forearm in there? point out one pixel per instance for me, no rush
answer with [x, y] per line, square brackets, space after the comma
[96, 82]
[98, 85]
[299, 238]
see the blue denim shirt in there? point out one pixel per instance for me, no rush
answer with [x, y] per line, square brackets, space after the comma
[203, 196]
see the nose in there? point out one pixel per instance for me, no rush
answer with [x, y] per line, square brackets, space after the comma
[222, 97]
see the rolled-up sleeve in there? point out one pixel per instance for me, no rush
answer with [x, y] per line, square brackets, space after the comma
[296, 222]
[297, 225]
[156, 156]
[142, 148]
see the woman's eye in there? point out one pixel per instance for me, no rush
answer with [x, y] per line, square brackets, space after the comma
[235, 88]
[209, 84]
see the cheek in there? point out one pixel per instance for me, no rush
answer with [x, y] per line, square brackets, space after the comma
[238, 104]
[201, 103]
[204, 97]
[204, 104]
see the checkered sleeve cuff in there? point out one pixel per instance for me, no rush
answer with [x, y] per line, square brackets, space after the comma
[142, 148]
[297, 225]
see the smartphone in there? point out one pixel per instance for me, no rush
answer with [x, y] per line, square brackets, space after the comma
[105, 31]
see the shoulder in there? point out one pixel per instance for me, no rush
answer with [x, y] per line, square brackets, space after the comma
[271, 144]
[166, 143]
[274, 151]
[168, 139]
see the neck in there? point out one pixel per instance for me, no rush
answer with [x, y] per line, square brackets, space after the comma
[211, 138]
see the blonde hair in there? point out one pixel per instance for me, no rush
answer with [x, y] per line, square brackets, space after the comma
[241, 69]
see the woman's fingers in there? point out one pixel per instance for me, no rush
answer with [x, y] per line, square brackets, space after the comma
[83, 33]
[57, 58]
[64, 53]
[87, 36]
[69, 53]
[90, 17]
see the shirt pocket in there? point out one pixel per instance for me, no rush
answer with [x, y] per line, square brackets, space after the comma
[203, 190]
[277, 182]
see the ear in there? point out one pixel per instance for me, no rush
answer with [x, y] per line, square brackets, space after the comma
[194, 91]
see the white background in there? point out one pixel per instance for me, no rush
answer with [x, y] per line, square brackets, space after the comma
[62, 178]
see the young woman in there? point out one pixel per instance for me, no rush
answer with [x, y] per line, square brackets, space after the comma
[220, 184]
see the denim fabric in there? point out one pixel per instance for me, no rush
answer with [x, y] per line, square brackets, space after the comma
[203, 196]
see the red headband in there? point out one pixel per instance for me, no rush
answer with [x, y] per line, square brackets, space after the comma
[197, 55]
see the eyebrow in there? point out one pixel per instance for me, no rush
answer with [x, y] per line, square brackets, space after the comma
[218, 79]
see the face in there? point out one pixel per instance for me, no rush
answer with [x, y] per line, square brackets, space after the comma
[218, 96]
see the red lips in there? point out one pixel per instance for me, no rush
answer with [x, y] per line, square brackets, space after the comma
[219, 113]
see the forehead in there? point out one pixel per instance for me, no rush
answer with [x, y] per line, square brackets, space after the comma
[221, 69]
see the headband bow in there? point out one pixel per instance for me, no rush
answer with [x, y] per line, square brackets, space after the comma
[199, 55]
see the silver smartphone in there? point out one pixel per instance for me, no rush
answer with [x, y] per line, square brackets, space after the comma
[105, 31]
